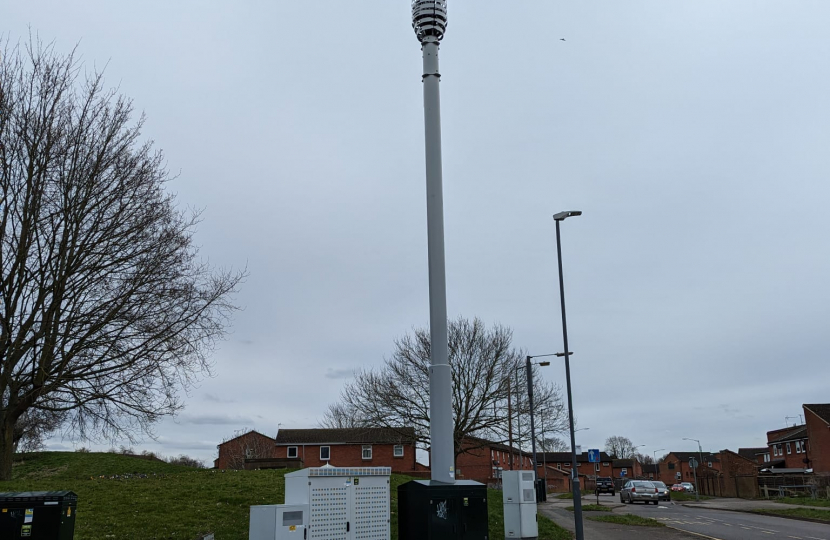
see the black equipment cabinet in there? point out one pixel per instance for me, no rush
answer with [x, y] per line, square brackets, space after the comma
[38, 515]
[429, 510]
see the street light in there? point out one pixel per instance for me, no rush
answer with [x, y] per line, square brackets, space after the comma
[655, 460]
[529, 368]
[577, 495]
[700, 464]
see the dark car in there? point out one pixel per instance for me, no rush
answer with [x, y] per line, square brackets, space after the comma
[605, 485]
[663, 492]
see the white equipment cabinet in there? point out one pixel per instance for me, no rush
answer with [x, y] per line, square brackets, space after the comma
[278, 522]
[345, 503]
[519, 497]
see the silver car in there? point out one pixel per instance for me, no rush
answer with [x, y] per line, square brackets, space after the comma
[639, 490]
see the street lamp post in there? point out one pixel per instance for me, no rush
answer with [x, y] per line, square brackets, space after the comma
[529, 368]
[577, 495]
[699, 464]
[654, 461]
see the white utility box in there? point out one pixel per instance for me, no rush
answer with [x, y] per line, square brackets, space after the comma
[278, 522]
[345, 503]
[519, 497]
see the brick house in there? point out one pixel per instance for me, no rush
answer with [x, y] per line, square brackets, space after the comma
[350, 447]
[558, 466]
[631, 467]
[249, 445]
[789, 448]
[482, 460]
[817, 422]
[759, 455]
[674, 467]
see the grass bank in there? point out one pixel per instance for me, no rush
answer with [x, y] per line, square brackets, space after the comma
[822, 503]
[627, 519]
[685, 496]
[127, 498]
[591, 508]
[808, 513]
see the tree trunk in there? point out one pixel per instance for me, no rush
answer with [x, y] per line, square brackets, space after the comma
[6, 447]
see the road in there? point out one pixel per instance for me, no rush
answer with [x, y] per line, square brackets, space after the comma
[721, 525]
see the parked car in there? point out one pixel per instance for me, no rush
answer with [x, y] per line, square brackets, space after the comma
[639, 490]
[605, 485]
[678, 487]
[662, 491]
[688, 486]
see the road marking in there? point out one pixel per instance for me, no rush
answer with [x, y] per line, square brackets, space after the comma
[694, 533]
[814, 538]
[796, 537]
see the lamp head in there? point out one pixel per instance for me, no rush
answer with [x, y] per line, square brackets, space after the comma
[429, 19]
[543, 364]
[566, 214]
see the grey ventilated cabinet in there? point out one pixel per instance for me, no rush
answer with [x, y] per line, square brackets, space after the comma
[344, 503]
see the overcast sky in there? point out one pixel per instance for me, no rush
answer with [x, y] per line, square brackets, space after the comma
[694, 136]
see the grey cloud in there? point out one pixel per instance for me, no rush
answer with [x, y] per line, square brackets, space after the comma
[339, 373]
[215, 420]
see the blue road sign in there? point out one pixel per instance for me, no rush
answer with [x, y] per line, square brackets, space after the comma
[593, 456]
[623, 473]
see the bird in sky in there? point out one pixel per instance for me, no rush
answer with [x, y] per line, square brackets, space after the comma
[561, 39]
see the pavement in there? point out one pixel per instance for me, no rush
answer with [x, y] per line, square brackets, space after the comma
[608, 531]
[715, 519]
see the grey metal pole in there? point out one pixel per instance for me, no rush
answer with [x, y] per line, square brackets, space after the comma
[577, 495]
[440, 380]
[529, 368]
[518, 420]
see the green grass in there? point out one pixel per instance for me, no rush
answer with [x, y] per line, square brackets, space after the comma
[805, 501]
[627, 519]
[565, 496]
[127, 498]
[591, 508]
[686, 496]
[811, 513]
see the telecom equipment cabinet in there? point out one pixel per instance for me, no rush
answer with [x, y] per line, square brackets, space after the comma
[345, 503]
[34, 515]
[278, 522]
[430, 510]
[519, 497]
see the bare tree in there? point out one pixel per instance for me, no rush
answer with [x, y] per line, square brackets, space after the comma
[553, 444]
[246, 444]
[484, 369]
[643, 458]
[341, 415]
[107, 310]
[33, 427]
[620, 447]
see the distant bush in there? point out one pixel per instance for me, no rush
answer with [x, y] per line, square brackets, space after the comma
[186, 461]
[82, 450]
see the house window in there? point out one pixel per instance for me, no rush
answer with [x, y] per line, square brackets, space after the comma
[596, 467]
[249, 453]
[604, 463]
[671, 465]
[797, 447]
[766, 457]
[292, 452]
[397, 451]
[367, 452]
[709, 464]
[325, 453]
[789, 449]
[567, 464]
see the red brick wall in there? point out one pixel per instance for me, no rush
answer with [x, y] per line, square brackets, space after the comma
[232, 453]
[351, 455]
[818, 447]
[669, 476]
